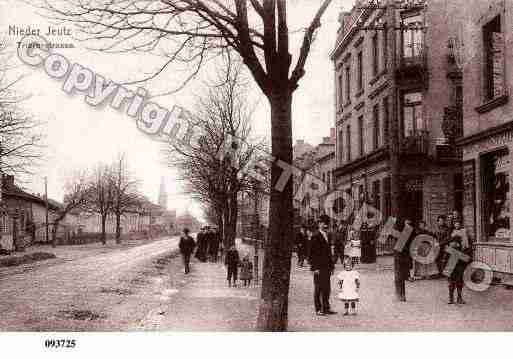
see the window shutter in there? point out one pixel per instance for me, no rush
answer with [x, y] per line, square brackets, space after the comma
[497, 47]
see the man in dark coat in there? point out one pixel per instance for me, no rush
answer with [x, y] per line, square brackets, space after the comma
[213, 246]
[404, 263]
[301, 246]
[186, 246]
[321, 264]
[202, 245]
[442, 235]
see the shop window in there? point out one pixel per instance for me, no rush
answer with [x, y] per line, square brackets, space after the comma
[496, 195]
[493, 39]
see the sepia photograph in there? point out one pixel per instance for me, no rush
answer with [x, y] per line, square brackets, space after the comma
[228, 166]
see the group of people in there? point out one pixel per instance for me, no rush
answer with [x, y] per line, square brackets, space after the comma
[345, 243]
[322, 263]
[449, 232]
[208, 245]
[322, 249]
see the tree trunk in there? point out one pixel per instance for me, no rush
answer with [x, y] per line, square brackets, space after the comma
[118, 228]
[394, 148]
[103, 235]
[273, 310]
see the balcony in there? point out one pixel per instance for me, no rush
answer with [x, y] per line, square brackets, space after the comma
[412, 64]
[416, 144]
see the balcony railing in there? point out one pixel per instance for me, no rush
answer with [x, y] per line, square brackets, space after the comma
[412, 62]
[416, 143]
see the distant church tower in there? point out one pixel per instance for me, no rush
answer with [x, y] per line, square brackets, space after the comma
[162, 194]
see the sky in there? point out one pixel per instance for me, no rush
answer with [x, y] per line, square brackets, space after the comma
[79, 136]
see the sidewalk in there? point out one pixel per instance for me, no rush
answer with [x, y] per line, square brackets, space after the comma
[205, 303]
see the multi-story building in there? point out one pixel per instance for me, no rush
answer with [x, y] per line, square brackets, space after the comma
[487, 140]
[392, 65]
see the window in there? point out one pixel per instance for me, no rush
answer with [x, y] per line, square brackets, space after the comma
[360, 136]
[385, 120]
[375, 55]
[412, 114]
[494, 59]
[387, 190]
[496, 195]
[360, 71]
[340, 91]
[376, 194]
[324, 178]
[385, 46]
[341, 146]
[375, 115]
[412, 36]
[348, 143]
[348, 84]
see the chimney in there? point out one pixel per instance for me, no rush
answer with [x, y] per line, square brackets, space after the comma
[300, 142]
[326, 140]
[333, 135]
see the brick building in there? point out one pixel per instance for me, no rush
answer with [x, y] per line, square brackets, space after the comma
[487, 140]
[392, 63]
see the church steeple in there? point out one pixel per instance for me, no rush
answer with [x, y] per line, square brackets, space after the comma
[162, 194]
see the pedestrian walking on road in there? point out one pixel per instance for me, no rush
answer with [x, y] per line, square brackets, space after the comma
[321, 264]
[186, 246]
[231, 261]
[442, 236]
[349, 283]
[246, 271]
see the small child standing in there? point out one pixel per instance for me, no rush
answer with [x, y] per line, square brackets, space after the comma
[231, 260]
[354, 249]
[246, 271]
[349, 282]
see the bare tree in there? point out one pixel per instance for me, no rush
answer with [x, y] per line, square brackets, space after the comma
[100, 196]
[213, 171]
[75, 197]
[21, 144]
[193, 32]
[125, 191]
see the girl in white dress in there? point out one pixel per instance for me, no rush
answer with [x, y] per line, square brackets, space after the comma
[349, 282]
[353, 248]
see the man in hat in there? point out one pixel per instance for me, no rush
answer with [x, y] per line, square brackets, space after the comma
[321, 264]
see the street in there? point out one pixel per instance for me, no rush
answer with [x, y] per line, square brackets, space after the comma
[96, 289]
[143, 287]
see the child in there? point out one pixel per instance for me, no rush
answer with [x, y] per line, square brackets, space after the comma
[349, 282]
[354, 250]
[246, 271]
[231, 260]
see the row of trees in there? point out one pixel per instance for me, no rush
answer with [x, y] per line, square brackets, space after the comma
[108, 189]
[192, 32]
